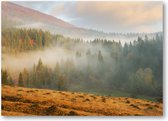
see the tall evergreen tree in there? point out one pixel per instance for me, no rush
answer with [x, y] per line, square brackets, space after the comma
[20, 80]
[100, 57]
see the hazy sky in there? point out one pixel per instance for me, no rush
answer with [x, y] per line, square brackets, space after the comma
[106, 16]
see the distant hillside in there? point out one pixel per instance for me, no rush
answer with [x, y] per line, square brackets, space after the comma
[18, 101]
[22, 17]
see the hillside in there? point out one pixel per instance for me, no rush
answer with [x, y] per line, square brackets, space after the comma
[18, 101]
[21, 17]
[13, 11]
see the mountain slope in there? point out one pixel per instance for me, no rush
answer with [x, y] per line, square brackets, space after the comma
[22, 17]
[16, 12]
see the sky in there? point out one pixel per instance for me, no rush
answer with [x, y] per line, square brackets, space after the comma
[105, 16]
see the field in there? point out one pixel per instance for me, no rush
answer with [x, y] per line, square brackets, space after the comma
[18, 101]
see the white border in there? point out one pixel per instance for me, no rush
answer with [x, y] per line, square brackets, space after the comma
[116, 118]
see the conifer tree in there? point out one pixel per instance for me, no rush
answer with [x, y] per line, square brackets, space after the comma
[20, 80]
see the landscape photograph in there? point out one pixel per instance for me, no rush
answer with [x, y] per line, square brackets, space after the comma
[82, 58]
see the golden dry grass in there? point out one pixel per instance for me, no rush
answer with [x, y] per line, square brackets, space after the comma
[18, 101]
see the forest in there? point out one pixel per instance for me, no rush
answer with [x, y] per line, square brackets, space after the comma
[98, 65]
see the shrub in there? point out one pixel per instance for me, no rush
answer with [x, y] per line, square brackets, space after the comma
[135, 106]
[72, 113]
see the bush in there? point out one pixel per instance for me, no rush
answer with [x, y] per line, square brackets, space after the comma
[50, 110]
[72, 113]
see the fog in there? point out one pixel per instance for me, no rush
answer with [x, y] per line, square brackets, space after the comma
[16, 63]
[91, 66]
[50, 56]
[86, 34]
